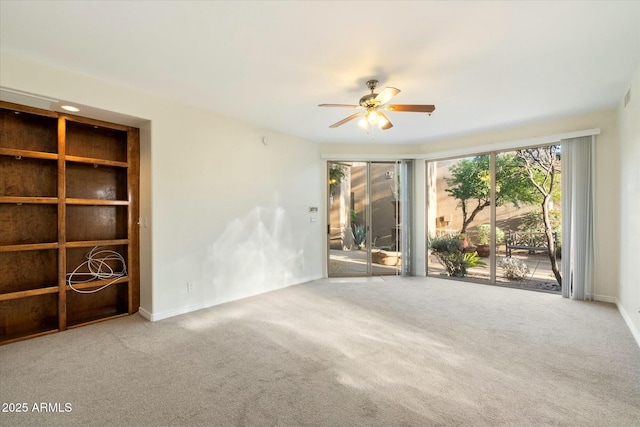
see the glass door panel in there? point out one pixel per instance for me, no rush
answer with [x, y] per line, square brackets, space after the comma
[348, 213]
[364, 212]
[526, 232]
[459, 204]
[386, 258]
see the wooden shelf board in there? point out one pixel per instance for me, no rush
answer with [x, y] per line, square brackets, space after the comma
[26, 109]
[96, 319]
[34, 200]
[94, 122]
[28, 153]
[91, 243]
[93, 161]
[96, 284]
[96, 202]
[8, 339]
[29, 293]
[29, 247]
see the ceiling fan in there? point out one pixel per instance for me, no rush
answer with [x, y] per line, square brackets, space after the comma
[374, 105]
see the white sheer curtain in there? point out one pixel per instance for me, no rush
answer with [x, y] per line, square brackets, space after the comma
[577, 218]
[406, 191]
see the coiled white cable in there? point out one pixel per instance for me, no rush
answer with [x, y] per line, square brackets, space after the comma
[96, 263]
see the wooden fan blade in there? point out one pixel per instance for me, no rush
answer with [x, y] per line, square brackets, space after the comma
[388, 93]
[385, 123]
[411, 108]
[338, 105]
[343, 121]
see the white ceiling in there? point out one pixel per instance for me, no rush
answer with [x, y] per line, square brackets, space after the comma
[485, 65]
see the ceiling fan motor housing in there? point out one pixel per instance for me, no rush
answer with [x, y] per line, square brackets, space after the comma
[369, 100]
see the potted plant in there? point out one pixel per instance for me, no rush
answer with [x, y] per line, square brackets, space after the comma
[484, 238]
[483, 249]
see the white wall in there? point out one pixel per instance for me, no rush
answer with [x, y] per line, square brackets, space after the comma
[628, 190]
[230, 213]
[225, 211]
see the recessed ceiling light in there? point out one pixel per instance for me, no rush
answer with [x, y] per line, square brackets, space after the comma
[70, 108]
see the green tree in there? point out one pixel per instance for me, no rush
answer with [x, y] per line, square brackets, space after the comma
[470, 183]
[337, 172]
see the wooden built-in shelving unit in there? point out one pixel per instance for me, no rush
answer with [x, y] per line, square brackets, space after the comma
[67, 184]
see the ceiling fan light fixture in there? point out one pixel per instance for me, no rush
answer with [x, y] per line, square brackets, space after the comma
[382, 122]
[372, 116]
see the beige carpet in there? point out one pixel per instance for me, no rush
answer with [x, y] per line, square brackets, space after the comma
[398, 352]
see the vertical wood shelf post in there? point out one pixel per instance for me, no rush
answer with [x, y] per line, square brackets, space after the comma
[62, 215]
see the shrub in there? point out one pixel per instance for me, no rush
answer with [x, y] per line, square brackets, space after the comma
[484, 232]
[450, 253]
[514, 269]
[359, 234]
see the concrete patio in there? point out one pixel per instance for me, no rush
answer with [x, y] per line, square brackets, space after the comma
[540, 277]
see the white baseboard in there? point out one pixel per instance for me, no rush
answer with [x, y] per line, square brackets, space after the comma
[630, 324]
[188, 309]
[605, 298]
[171, 313]
[144, 313]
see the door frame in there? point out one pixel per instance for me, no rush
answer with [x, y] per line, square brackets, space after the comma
[368, 216]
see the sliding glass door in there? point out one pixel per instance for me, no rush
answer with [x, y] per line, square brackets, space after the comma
[496, 218]
[365, 218]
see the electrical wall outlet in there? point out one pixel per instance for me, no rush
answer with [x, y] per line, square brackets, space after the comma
[189, 286]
